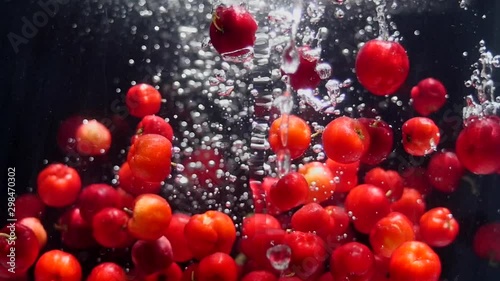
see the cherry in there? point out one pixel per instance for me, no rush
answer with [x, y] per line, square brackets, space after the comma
[259, 276]
[58, 185]
[382, 66]
[149, 158]
[428, 96]
[299, 136]
[321, 181]
[76, 233]
[134, 185]
[438, 228]
[109, 228]
[381, 141]
[411, 204]
[345, 175]
[36, 226]
[232, 32]
[445, 171]
[305, 77]
[173, 272]
[414, 260]
[367, 204]
[57, 265]
[152, 124]
[308, 254]
[66, 133]
[486, 243]
[388, 180]
[19, 248]
[289, 192]
[152, 256]
[345, 140]
[151, 215]
[29, 205]
[107, 271]
[217, 266]
[96, 197]
[420, 136]
[92, 138]
[313, 218]
[210, 232]
[327, 276]
[391, 232]
[352, 261]
[340, 220]
[175, 234]
[477, 145]
[143, 100]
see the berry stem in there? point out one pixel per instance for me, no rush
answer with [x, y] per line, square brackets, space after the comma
[7, 236]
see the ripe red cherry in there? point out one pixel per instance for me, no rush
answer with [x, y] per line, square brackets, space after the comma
[321, 181]
[367, 204]
[109, 228]
[175, 234]
[308, 254]
[107, 271]
[259, 276]
[411, 204]
[92, 138]
[387, 180]
[381, 141]
[305, 77]
[143, 100]
[232, 31]
[345, 175]
[152, 256]
[391, 232]
[134, 185]
[382, 66]
[428, 96]
[76, 233]
[299, 136]
[152, 124]
[345, 140]
[58, 185]
[486, 243]
[36, 226]
[438, 228]
[352, 261]
[445, 171]
[29, 205]
[151, 215]
[420, 136]
[217, 266]
[414, 260]
[313, 218]
[149, 158]
[477, 145]
[289, 192]
[96, 197]
[25, 244]
[66, 133]
[340, 220]
[58, 265]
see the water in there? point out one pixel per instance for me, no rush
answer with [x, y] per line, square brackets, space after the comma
[84, 58]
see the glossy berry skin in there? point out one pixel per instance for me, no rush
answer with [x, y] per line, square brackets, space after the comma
[58, 265]
[352, 261]
[96, 197]
[217, 266]
[92, 138]
[414, 261]
[477, 145]
[172, 273]
[391, 232]
[312, 217]
[486, 243]
[428, 96]
[445, 171]
[152, 256]
[387, 180]
[107, 271]
[149, 158]
[175, 234]
[381, 141]
[216, 228]
[416, 177]
[153, 124]
[232, 31]
[345, 140]
[58, 185]
[420, 136]
[438, 228]
[36, 226]
[26, 247]
[340, 220]
[109, 228]
[289, 192]
[345, 175]
[29, 205]
[134, 185]
[259, 276]
[305, 77]
[76, 233]
[308, 254]
[321, 181]
[382, 66]
[143, 100]
[299, 135]
[411, 204]
[368, 205]
[151, 215]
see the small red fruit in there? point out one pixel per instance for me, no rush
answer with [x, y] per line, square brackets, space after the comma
[414, 261]
[345, 175]
[313, 218]
[143, 100]
[420, 136]
[66, 134]
[428, 96]
[151, 215]
[175, 234]
[411, 204]
[36, 226]
[107, 271]
[217, 266]
[149, 158]
[486, 243]
[152, 124]
[92, 138]
[308, 254]
[381, 141]
[305, 77]
[299, 136]
[19, 247]
[289, 192]
[321, 181]
[382, 66]
[152, 256]
[387, 180]
[58, 265]
[134, 185]
[352, 261]
[438, 228]
[391, 232]
[29, 205]
[172, 273]
[345, 140]
[260, 276]
[445, 171]
[96, 197]
[76, 233]
[109, 228]
[58, 185]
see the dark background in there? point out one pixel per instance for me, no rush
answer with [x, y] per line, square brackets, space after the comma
[65, 70]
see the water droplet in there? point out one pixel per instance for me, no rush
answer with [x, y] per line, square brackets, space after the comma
[324, 70]
[279, 256]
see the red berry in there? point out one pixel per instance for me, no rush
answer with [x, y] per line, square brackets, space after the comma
[340, 220]
[204, 165]
[428, 96]
[289, 192]
[391, 232]
[352, 261]
[438, 228]
[92, 138]
[58, 265]
[308, 254]
[152, 256]
[345, 140]
[96, 197]
[151, 215]
[134, 185]
[382, 66]
[58, 185]
[299, 136]
[345, 175]
[217, 266]
[143, 100]
[411, 204]
[173, 272]
[305, 77]
[445, 171]
[150, 158]
[321, 181]
[107, 271]
[232, 31]
[109, 228]
[76, 233]
[381, 141]
[420, 136]
[66, 134]
[36, 226]
[259, 276]
[313, 218]
[416, 177]
[175, 234]
[152, 124]
[29, 205]
[414, 261]
[387, 180]
[486, 243]
[19, 247]
[477, 145]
